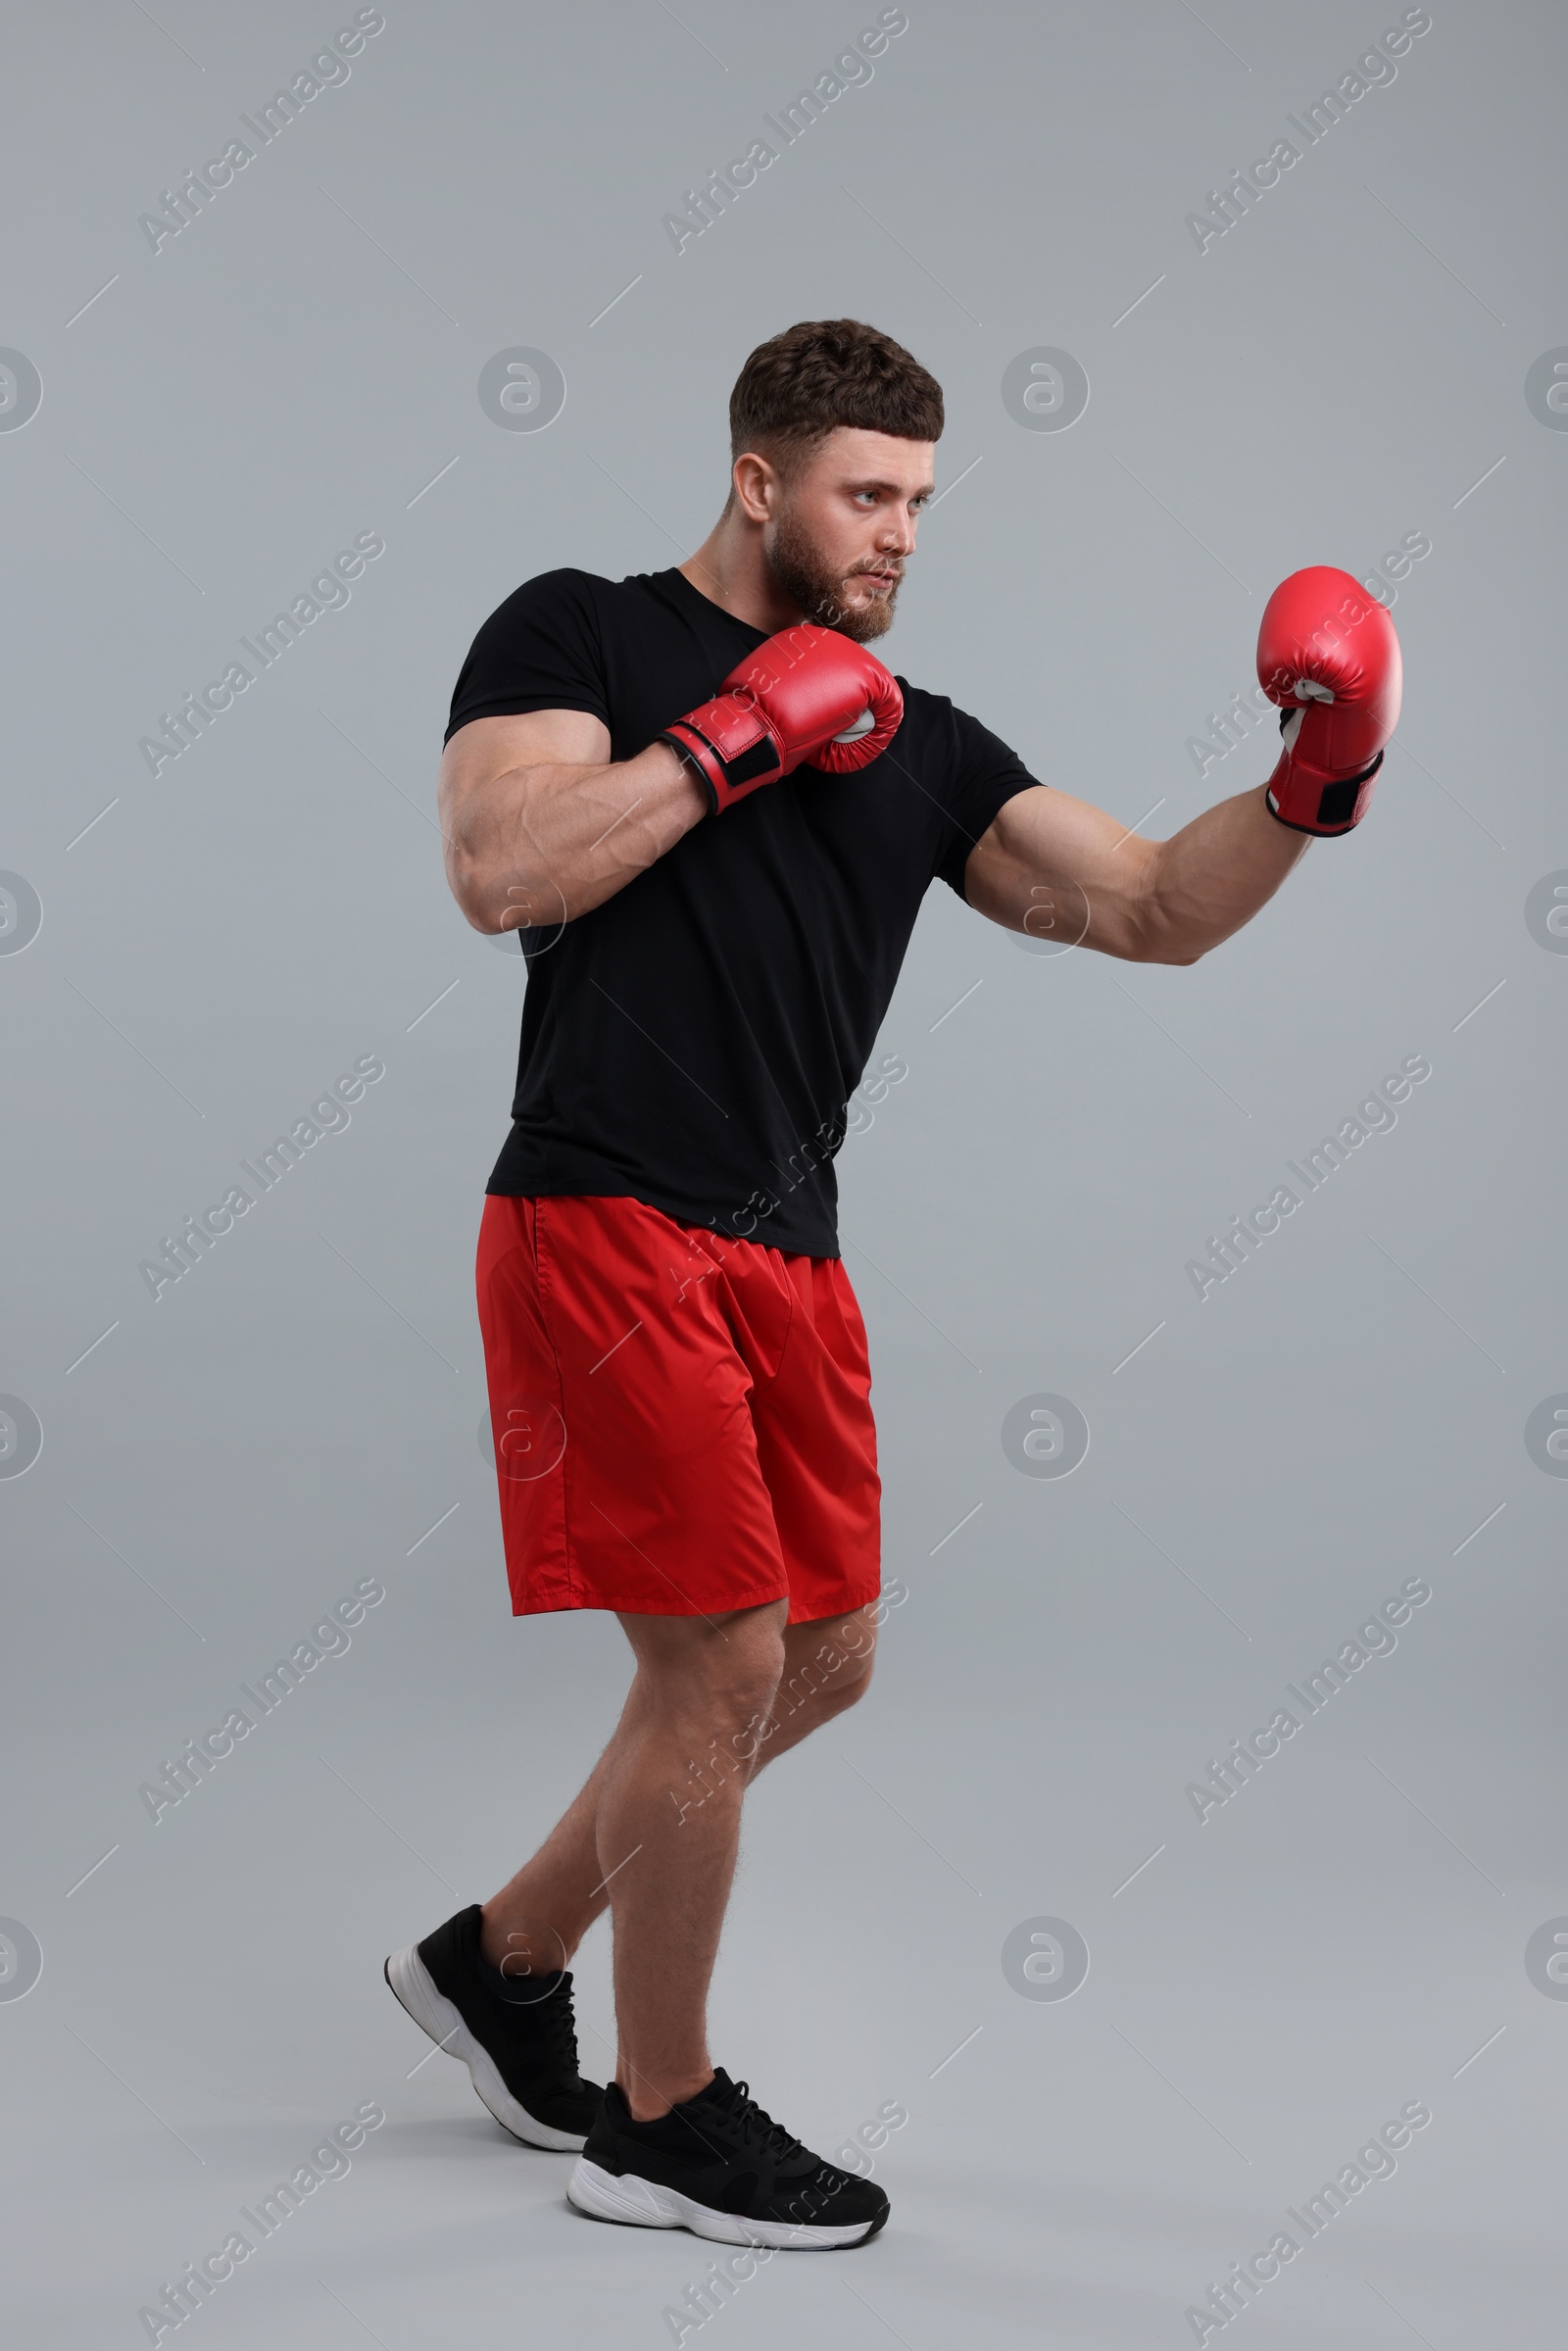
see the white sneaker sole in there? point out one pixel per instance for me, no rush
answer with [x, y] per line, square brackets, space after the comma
[642, 2204]
[415, 1988]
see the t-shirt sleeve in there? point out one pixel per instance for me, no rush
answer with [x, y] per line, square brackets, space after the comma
[984, 774]
[539, 651]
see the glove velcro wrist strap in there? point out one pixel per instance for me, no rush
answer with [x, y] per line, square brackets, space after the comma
[692, 760]
[731, 748]
[1310, 803]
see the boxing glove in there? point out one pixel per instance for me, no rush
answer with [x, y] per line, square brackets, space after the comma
[1328, 656]
[808, 694]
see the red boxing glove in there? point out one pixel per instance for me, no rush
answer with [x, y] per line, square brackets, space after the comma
[791, 701]
[1327, 653]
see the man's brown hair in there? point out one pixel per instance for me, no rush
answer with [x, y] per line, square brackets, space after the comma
[798, 386]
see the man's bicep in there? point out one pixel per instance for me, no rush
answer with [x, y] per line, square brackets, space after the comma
[474, 805]
[1047, 856]
[998, 863]
[487, 748]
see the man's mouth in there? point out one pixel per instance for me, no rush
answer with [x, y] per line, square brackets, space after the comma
[882, 582]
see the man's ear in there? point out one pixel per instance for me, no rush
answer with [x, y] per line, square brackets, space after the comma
[755, 485]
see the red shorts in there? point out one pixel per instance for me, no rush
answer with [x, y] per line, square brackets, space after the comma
[682, 1422]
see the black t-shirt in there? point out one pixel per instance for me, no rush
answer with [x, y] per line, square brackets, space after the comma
[693, 1041]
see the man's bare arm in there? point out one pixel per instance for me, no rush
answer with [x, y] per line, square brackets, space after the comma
[541, 825]
[1062, 870]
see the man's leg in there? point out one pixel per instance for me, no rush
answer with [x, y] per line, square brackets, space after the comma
[539, 1916]
[685, 1759]
[827, 1668]
[668, 1858]
[677, 2143]
[643, 1839]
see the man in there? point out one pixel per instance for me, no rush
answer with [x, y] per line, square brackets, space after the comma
[714, 815]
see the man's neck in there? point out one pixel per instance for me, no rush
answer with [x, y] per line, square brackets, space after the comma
[731, 570]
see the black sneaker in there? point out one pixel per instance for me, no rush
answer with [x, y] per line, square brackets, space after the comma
[518, 2045]
[718, 2166]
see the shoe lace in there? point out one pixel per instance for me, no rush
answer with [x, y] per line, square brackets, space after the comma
[557, 2021]
[753, 2125]
[550, 2019]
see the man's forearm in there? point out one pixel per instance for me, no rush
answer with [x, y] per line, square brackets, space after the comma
[1212, 876]
[541, 845]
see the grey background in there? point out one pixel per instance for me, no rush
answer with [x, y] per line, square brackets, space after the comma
[299, 365]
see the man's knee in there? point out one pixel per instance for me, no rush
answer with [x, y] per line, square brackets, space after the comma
[855, 1641]
[835, 1672]
[847, 1653]
[743, 1671]
[855, 1680]
[724, 1672]
[846, 1687]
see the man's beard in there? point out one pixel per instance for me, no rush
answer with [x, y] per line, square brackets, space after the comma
[818, 591]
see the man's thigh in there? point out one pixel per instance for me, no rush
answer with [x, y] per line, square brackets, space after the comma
[676, 1649]
[816, 1446]
[827, 1655]
[626, 1457]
